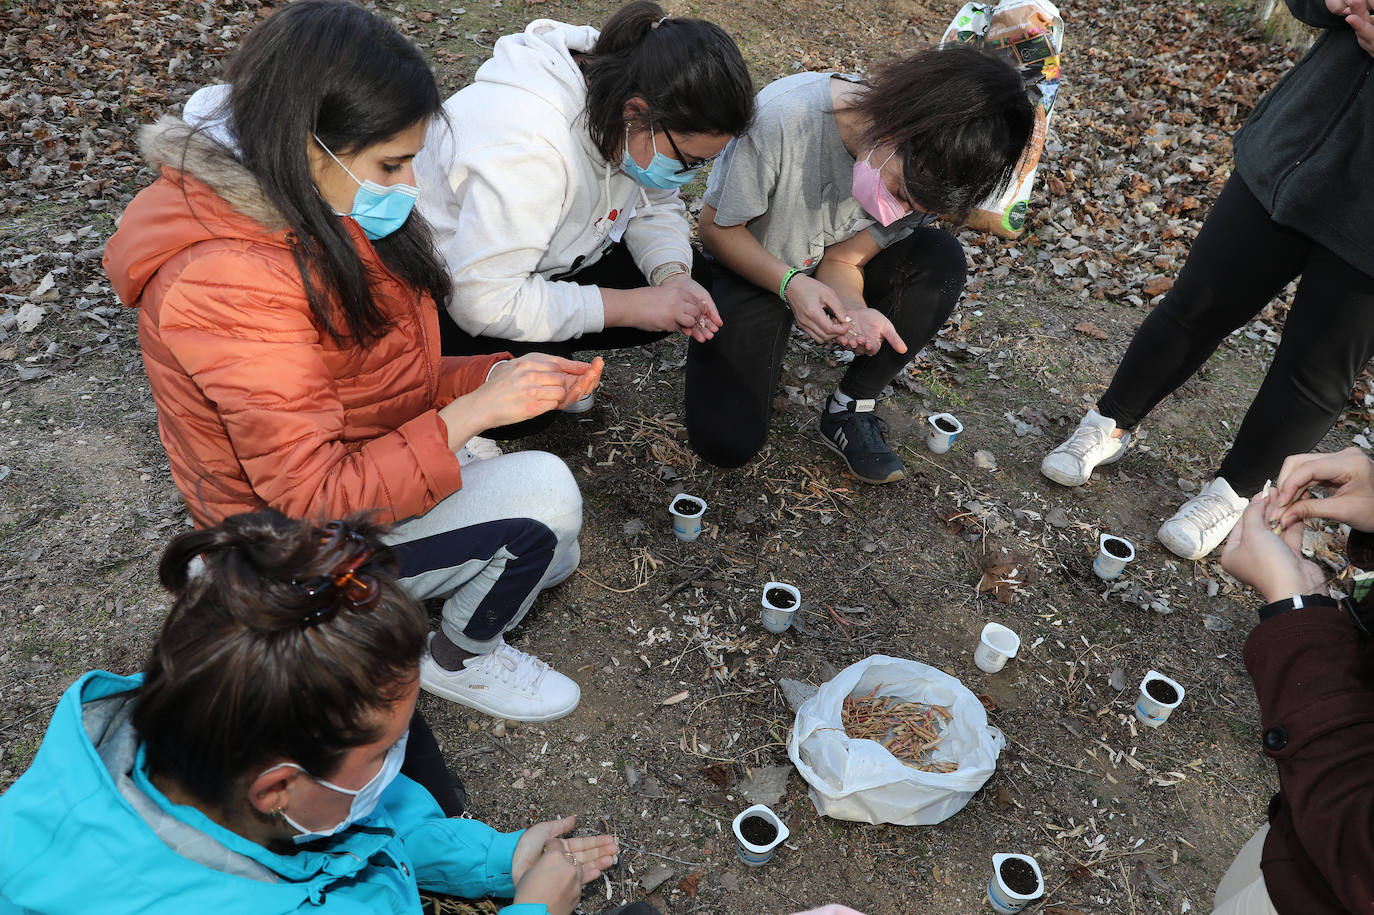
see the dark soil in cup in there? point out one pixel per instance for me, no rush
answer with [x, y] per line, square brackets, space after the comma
[779, 598]
[945, 425]
[685, 507]
[757, 831]
[1117, 548]
[1161, 692]
[1018, 876]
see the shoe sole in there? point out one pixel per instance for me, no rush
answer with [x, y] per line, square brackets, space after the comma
[470, 701]
[890, 478]
[1053, 475]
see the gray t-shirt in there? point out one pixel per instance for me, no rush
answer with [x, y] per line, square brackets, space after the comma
[790, 179]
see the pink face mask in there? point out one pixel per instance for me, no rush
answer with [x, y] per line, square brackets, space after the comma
[873, 195]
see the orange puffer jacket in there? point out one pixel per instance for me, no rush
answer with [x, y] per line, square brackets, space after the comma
[257, 406]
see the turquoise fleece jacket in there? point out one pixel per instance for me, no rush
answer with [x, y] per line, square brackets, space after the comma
[74, 837]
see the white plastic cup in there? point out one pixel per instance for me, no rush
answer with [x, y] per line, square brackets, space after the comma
[1002, 897]
[1151, 711]
[687, 523]
[1113, 553]
[776, 617]
[758, 855]
[997, 644]
[944, 429]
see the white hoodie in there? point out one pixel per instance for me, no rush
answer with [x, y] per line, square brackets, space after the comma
[518, 194]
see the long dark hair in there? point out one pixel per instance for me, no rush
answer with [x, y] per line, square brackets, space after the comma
[239, 676]
[960, 119]
[334, 69]
[688, 71]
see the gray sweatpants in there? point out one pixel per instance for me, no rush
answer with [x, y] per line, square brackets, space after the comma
[1242, 890]
[489, 548]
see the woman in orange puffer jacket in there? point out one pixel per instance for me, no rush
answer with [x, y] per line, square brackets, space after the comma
[288, 325]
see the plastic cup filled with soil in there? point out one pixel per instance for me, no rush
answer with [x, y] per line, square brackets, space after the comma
[1016, 881]
[944, 429]
[996, 646]
[1159, 696]
[758, 831]
[687, 511]
[1113, 553]
[780, 605]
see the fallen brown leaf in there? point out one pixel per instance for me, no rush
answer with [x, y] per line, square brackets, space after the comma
[689, 883]
[1159, 285]
[1003, 798]
[719, 774]
[1090, 329]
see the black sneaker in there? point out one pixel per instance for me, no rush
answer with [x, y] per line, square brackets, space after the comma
[860, 437]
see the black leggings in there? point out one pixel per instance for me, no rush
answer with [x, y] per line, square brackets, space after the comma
[1241, 260]
[424, 763]
[732, 378]
[616, 270]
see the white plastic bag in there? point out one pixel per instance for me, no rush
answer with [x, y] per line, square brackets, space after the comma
[859, 779]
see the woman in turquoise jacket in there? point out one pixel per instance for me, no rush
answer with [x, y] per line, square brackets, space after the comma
[254, 765]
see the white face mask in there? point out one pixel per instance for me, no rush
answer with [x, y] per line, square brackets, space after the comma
[364, 799]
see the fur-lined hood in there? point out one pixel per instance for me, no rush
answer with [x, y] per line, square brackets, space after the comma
[172, 143]
[204, 194]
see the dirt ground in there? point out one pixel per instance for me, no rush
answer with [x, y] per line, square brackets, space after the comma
[1120, 818]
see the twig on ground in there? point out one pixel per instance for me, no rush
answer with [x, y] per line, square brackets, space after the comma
[609, 588]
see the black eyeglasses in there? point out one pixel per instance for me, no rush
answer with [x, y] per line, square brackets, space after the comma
[686, 165]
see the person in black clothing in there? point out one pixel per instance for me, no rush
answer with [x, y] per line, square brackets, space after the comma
[1296, 206]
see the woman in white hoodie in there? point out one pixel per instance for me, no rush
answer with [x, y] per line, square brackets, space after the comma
[551, 183]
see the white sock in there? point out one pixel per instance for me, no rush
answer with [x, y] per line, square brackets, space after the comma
[838, 401]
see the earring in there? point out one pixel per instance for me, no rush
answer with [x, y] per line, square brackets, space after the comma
[277, 812]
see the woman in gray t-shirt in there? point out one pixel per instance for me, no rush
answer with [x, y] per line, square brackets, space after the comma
[819, 215]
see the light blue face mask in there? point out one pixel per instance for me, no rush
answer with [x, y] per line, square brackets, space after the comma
[364, 799]
[662, 172]
[379, 210]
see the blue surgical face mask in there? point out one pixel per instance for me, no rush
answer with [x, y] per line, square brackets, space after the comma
[379, 210]
[364, 799]
[662, 172]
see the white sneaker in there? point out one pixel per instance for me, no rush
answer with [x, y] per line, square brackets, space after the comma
[1091, 445]
[478, 449]
[1204, 520]
[583, 405]
[504, 683]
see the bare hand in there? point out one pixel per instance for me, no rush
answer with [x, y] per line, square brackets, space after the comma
[1350, 471]
[817, 308]
[868, 329]
[1363, 28]
[581, 383]
[708, 318]
[519, 389]
[1348, 7]
[551, 870]
[678, 304]
[1271, 564]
